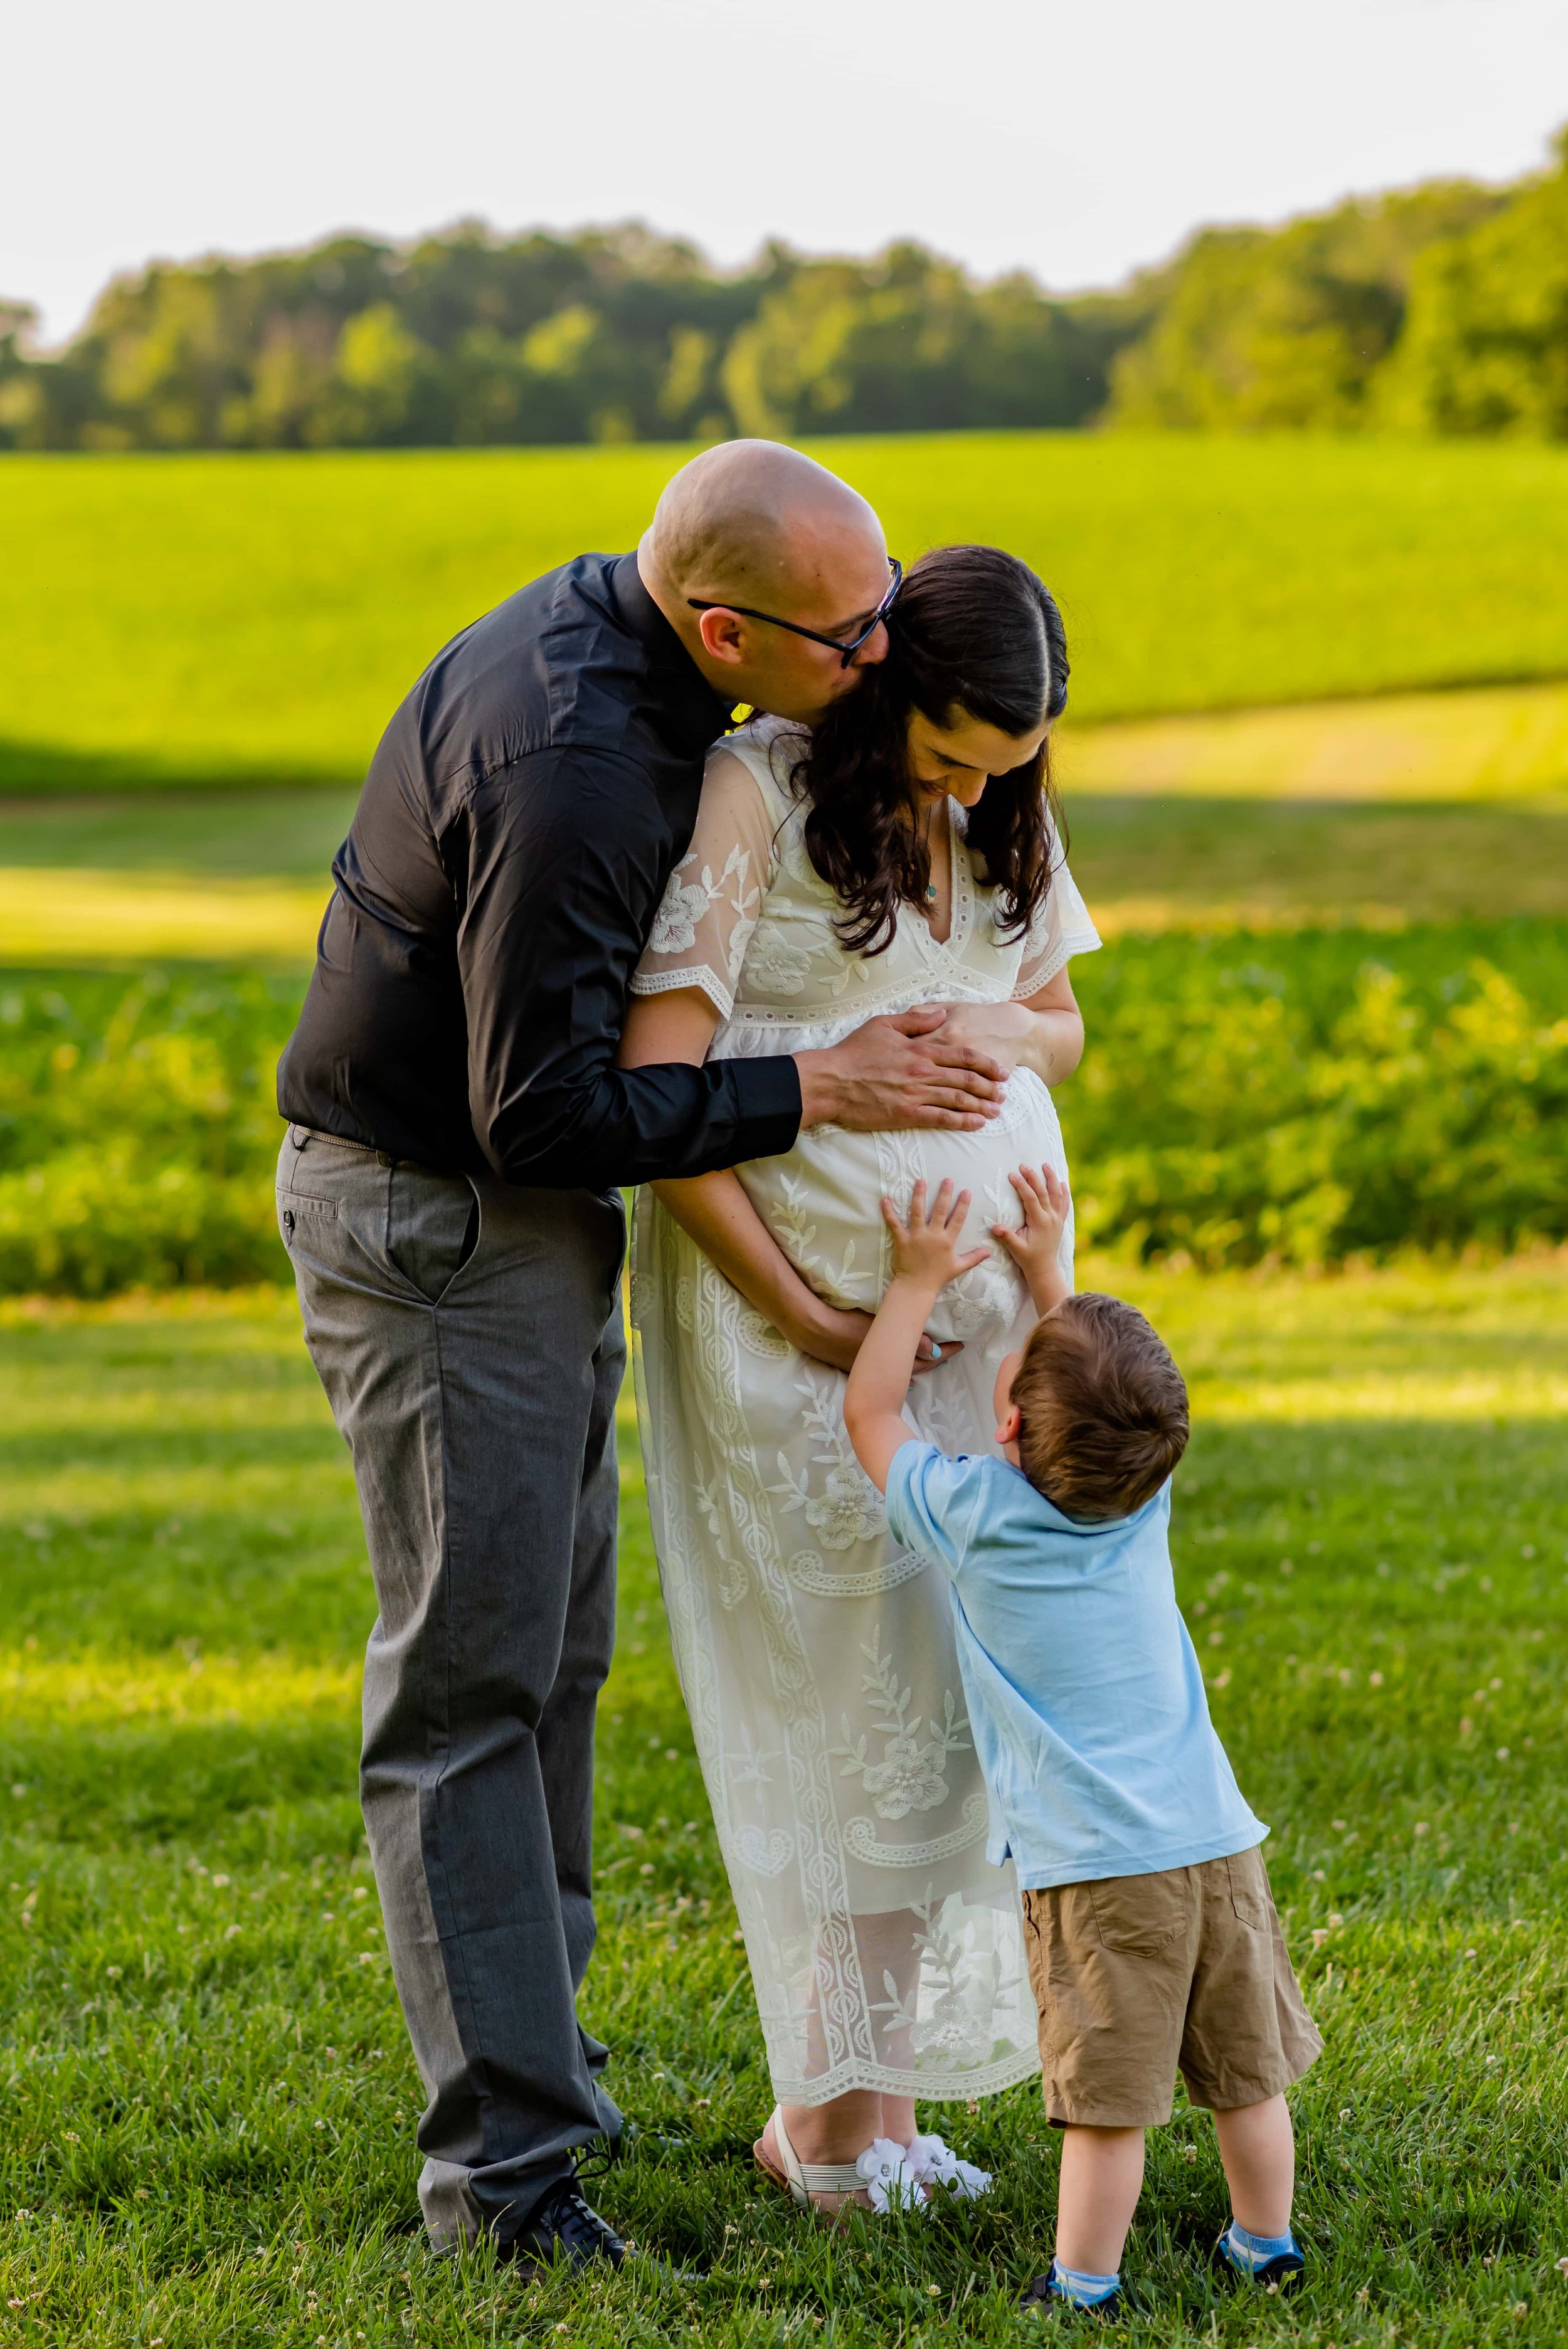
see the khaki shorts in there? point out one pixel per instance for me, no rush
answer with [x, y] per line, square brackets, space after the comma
[1137, 1976]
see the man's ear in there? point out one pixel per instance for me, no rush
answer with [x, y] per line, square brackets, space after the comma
[723, 636]
[1009, 1423]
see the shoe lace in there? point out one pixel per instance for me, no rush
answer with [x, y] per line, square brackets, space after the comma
[579, 2228]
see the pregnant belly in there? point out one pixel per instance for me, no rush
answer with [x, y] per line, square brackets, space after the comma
[821, 1202]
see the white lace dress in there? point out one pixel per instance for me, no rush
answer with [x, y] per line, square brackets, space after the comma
[816, 1657]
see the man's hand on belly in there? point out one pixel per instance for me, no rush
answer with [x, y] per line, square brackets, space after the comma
[899, 1072]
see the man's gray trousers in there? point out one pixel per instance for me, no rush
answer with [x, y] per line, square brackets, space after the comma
[469, 1336]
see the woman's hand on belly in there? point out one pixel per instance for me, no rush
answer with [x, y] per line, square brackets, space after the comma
[829, 1336]
[1002, 1030]
[1044, 1032]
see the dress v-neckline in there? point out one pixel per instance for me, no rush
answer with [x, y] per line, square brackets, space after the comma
[958, 893]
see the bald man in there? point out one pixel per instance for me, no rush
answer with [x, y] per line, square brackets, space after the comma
[449, 1192]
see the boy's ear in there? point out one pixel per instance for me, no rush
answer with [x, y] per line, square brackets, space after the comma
[1008, 1426]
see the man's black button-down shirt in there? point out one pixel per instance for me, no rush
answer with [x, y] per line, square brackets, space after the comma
[520, 818]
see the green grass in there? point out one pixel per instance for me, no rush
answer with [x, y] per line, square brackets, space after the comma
[198, 876]
[225, 619]
[208, 836]
[206, 2100]
[1503, 743]
[1196, 864]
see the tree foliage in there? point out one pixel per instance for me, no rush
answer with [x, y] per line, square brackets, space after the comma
[1443, 309]
[1291, 326]
[1486, 345]
[612, 335]
[1440, 308]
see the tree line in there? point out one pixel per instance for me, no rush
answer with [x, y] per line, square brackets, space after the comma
[1440, 308]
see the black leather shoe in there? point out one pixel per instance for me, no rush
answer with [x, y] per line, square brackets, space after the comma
[564, 2226]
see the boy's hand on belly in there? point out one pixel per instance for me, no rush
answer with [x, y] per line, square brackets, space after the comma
[1034, 1245]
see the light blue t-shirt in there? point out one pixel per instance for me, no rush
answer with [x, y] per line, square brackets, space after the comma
[1085, 1697]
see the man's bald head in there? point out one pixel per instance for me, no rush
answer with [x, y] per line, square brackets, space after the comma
[755, 524]
[752, 521]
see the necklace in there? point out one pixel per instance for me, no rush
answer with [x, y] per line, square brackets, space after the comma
[931, 885]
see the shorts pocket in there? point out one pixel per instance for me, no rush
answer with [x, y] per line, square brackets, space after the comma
[1249, 1889]
[1140, 1915]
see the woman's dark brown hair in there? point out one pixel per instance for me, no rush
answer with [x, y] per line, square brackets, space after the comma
[972, 633]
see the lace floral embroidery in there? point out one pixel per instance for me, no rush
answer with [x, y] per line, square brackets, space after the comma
[959, 1994]
[861, 1838]
[911, 1774]
[688, 903]
[849, 1507]
[775, 965]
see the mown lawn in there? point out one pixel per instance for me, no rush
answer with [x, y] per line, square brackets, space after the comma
[224, 875]
[225, 619]
[207, 2126]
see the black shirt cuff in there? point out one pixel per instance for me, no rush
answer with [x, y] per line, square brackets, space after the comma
[767, 1097]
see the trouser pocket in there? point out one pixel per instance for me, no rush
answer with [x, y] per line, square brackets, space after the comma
[432, 1226]
[298, 1212]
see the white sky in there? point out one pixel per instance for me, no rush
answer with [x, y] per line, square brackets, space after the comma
[1077, 137]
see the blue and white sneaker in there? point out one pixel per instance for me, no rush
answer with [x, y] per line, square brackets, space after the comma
[1047, 2292]
[1273, 2270]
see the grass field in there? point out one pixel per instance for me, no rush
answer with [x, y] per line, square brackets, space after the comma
[1164, 837]
[208, 2105]
[1500, 743]
[225, 618]
[1339, 938]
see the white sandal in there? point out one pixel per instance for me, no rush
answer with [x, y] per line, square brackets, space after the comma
[882, 2173]
[934, 2163]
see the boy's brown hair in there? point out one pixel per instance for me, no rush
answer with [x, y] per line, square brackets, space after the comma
[1102, 1408]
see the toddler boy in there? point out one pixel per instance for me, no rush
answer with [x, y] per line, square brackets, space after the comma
[1152, 1940]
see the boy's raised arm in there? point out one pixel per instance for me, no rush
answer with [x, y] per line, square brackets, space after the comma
[879, 1382]
[925, 1257]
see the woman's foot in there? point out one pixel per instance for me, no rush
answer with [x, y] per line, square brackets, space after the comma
[774, 2152]
[879, 2178]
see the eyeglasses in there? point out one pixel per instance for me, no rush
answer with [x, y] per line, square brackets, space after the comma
[834, 643]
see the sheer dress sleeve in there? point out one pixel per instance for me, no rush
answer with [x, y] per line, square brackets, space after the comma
[1061, 929]
[710, 907]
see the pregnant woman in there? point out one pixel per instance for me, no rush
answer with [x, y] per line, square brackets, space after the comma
[905, 854]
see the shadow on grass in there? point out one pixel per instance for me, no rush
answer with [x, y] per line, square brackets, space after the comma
[39, 770]
[156, 1782]
[1306, 863]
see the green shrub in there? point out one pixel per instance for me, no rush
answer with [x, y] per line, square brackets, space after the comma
[138, 1131]
[1346, 1097]
[1304, 1097]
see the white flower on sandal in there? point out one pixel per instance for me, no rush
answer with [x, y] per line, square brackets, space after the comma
[934, 2163]
[890, 2182]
